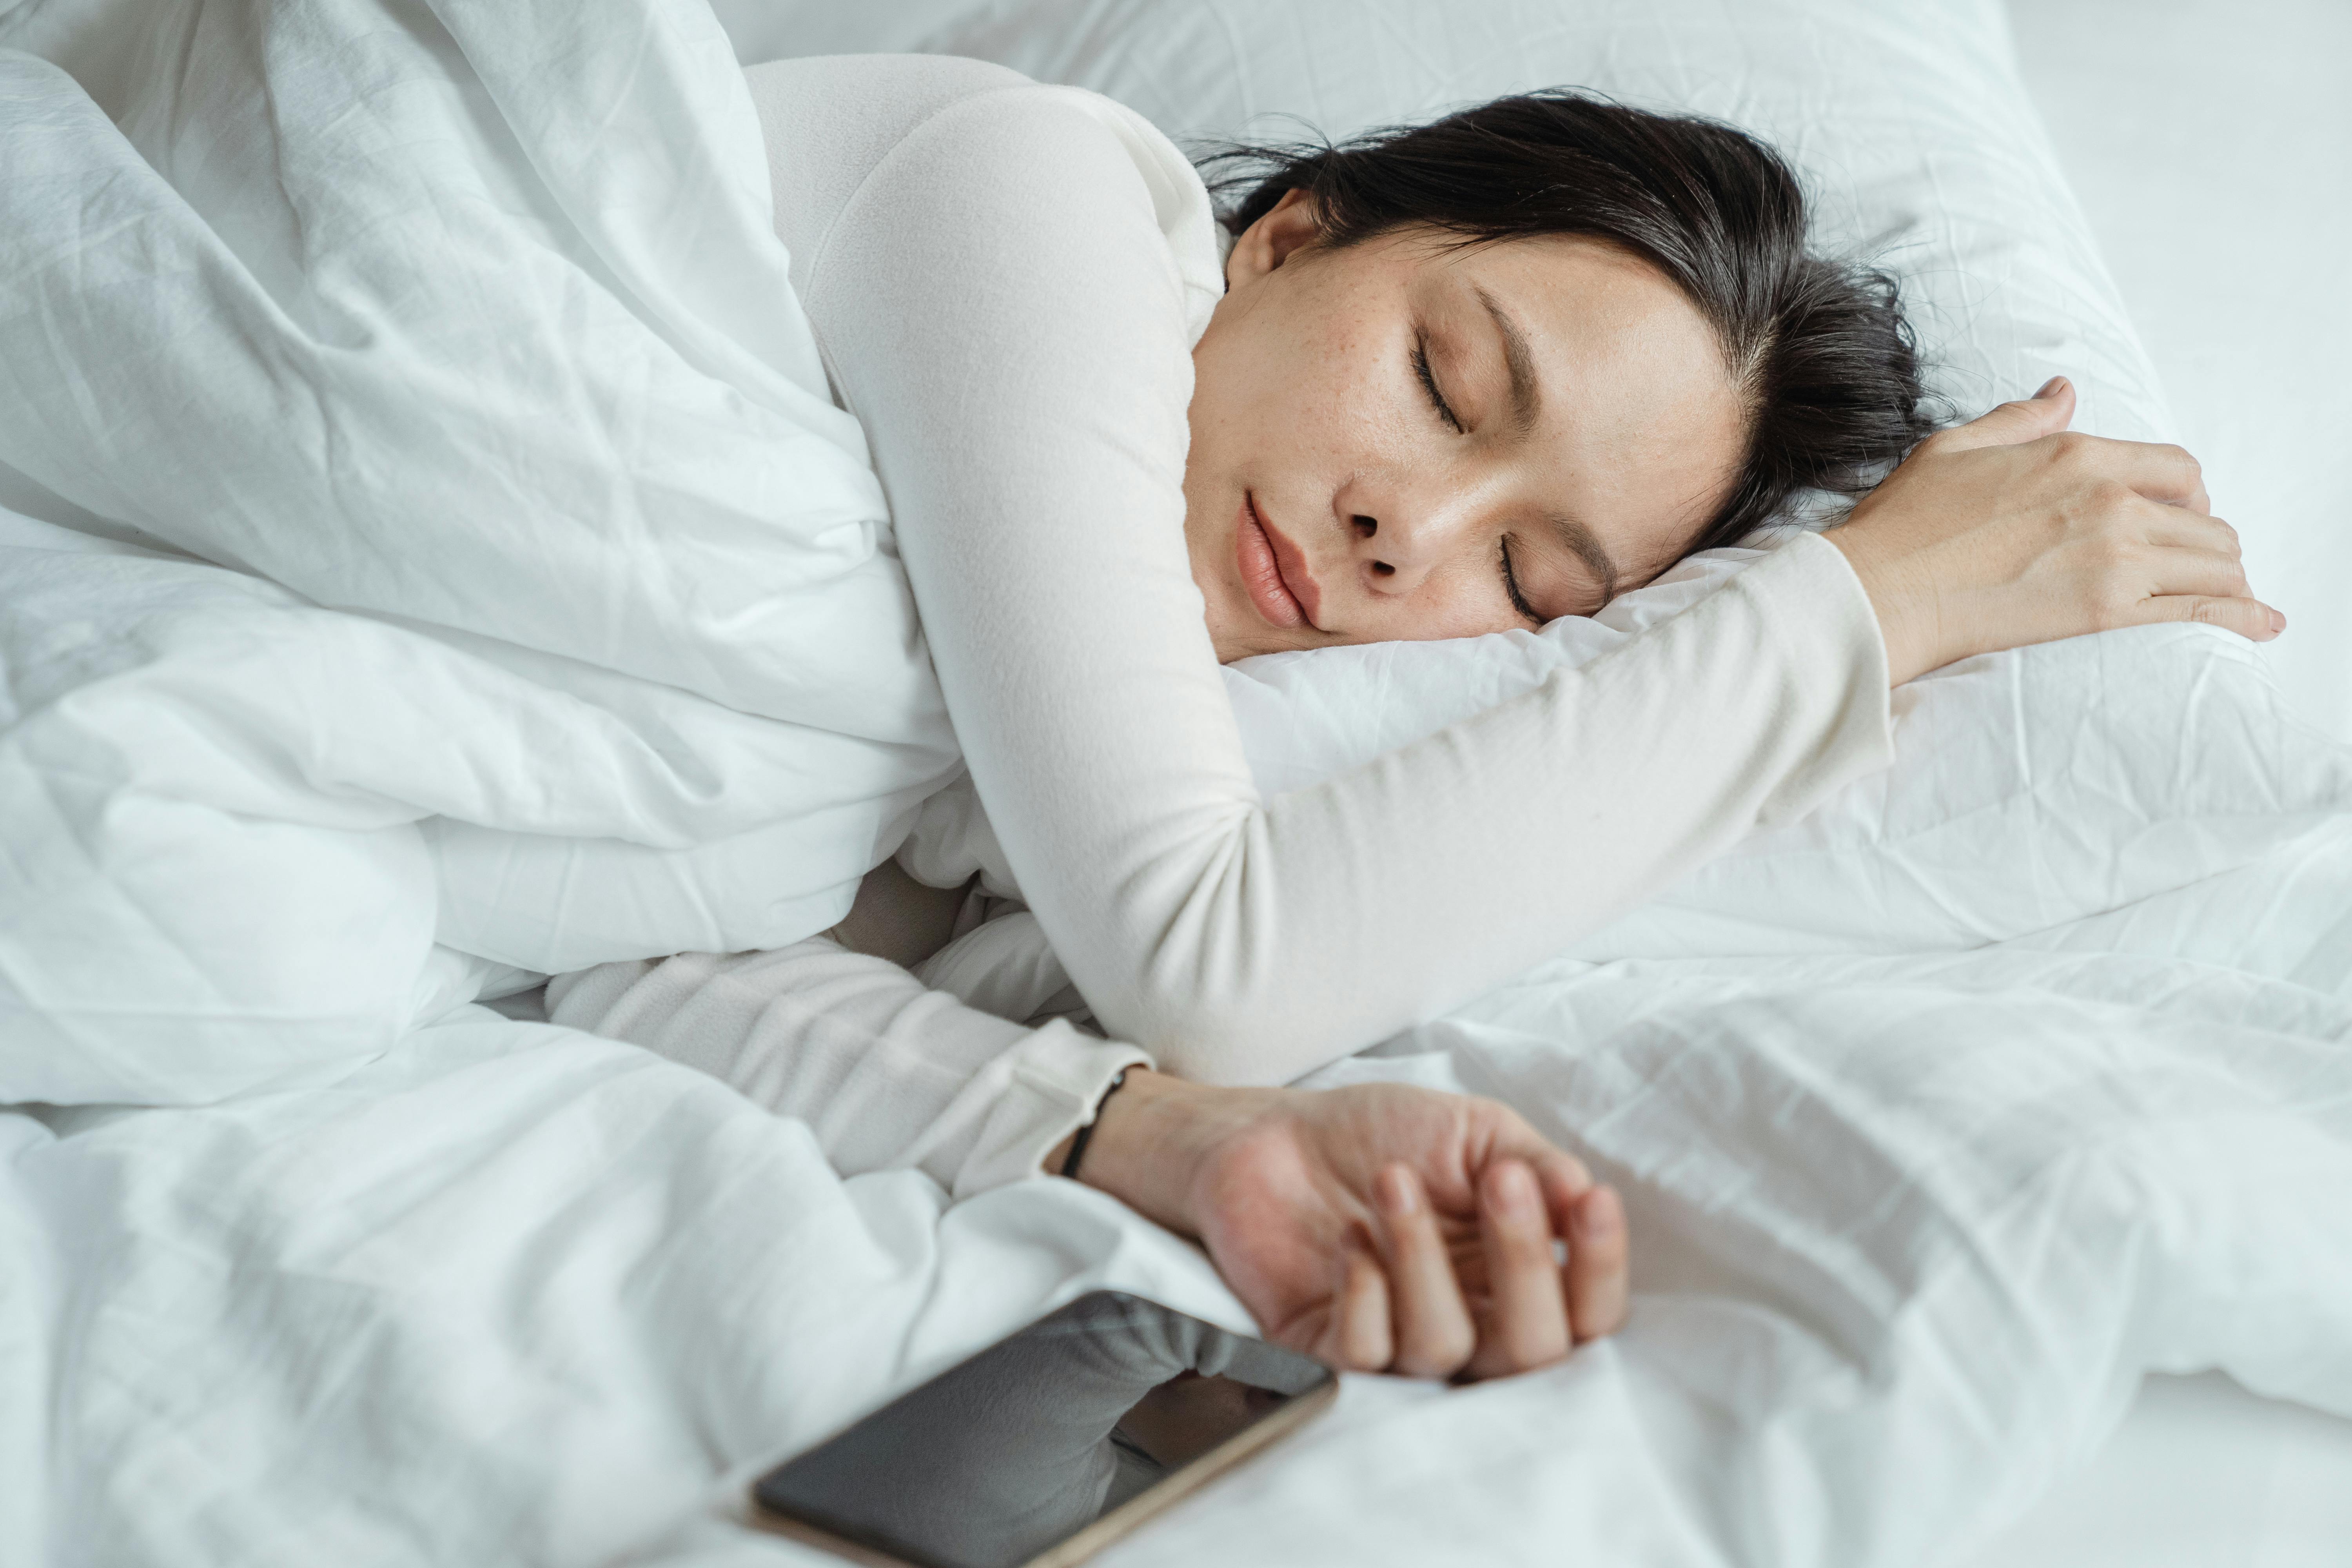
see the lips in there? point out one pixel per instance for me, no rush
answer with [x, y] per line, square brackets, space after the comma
[1274, 571]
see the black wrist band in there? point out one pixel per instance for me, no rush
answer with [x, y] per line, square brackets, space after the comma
[1078, 1143]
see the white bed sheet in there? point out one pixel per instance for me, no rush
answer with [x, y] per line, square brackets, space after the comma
[2201, 1475]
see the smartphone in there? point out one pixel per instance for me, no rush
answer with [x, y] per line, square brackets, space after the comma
[1047, 1446]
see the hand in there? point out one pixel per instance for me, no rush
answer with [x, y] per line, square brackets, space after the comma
[1377, 1228]
[2011, 530]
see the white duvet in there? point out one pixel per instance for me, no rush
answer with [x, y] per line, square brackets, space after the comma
[560, 616]
[344, 644]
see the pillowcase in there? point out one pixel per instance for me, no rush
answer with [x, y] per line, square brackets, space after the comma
[2029, 789]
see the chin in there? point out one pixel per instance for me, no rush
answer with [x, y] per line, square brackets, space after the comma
[1236, 632]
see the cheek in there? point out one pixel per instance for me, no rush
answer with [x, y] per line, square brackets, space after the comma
[1475, 602]
[1305, 379]
[1355, 387]
[1463, 599]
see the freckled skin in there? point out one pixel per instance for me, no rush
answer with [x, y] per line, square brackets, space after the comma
[1307, 399]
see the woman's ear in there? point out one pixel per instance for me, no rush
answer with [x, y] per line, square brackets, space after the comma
[1288, 227]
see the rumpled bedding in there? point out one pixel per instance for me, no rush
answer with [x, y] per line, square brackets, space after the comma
[461, 544]
[433, 557]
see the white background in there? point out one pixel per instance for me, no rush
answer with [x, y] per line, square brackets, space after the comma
[2210, 142]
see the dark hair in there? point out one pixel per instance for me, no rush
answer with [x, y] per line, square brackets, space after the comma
[1819, 349]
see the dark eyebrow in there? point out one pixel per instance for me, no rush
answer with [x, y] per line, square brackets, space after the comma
[1581, 542]
[1527, 397]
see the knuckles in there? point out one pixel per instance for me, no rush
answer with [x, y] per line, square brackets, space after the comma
[2231, 614]
[2071, 451]
[2110, 500]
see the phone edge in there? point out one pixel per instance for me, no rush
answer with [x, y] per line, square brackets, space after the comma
[1147, 1504]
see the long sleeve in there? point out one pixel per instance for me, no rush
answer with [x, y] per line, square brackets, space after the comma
[887, 1072]
[999, 302]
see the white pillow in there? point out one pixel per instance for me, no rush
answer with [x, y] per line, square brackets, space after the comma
[1909, 122]
[2030, 788]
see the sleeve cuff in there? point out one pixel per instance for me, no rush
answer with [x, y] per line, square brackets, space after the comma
[1823, 617]
[1058, 1079]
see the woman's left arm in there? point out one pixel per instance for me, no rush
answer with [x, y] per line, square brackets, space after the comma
[1382, 1228]
[888, 1074]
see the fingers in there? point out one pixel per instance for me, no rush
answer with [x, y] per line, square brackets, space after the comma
[1565, 1183]
[2159, 472]
[2046, 413]
[1598, 1277]
[2204, 583]
[1599, 1260]
[2202, 572]
[1405, 1308]
[1526, 1322]
[1434, 1336]
[1538, 1309]
[1561, 1174]
[2250, 618]
[1356, 1337]
[2180, 528]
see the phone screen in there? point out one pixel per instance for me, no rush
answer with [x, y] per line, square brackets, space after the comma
[1113, 1405]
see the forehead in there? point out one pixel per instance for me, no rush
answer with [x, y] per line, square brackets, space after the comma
[1641, 425]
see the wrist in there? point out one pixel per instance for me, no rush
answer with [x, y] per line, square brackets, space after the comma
[1908, 609]
[1152, 1140]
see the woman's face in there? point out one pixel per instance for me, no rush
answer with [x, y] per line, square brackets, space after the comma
[1404, 440]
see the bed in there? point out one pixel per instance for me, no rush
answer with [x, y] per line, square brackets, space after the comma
[1944, 1117]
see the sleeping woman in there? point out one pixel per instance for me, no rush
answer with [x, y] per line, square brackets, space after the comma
[1442, 382]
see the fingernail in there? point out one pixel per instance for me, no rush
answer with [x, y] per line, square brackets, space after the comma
[2051, 388]
[1396, 1190]
[1515, 1188]
[1600, 1213]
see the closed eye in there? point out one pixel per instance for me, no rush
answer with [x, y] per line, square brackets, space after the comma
[1429, 384]
[1511, 587]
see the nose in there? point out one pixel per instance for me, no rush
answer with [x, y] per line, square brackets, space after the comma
[1400, 531]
